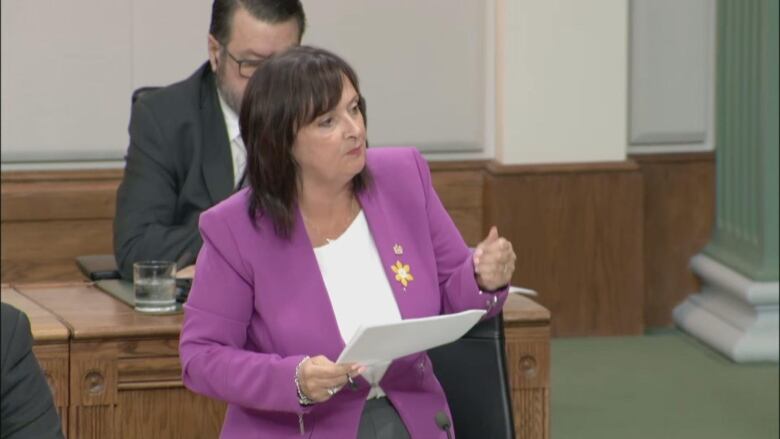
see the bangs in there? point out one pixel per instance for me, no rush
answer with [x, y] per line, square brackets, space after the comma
[319, 89]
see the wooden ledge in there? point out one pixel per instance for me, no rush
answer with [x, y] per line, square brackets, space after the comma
[61, 176]
[498, 169]
[681, 158]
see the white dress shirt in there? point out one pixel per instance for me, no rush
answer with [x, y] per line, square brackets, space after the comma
[237, 148]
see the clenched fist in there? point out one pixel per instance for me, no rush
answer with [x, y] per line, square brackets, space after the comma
[494, 261]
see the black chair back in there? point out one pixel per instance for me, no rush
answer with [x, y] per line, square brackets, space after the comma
[472, 371]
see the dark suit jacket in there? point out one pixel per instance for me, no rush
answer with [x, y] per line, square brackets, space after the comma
[178, 164]
[26, 405]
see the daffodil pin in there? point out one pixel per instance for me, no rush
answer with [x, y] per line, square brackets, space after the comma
[403, 273]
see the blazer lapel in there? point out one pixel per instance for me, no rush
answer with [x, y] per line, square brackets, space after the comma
[217, 162]
[385, 238]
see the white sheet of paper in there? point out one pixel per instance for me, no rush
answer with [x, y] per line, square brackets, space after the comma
[520, 290]
[378, 344]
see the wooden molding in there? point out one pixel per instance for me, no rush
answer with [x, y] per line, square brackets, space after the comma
[496, 168]
[60, 176]
[461, 165]
[683, 157]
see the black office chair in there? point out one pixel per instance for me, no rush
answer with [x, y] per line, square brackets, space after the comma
[103, 267]
[473, 373]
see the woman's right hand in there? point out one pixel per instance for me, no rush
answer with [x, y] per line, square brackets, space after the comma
[321, 378]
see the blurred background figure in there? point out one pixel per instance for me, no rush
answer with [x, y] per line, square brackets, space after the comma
[26, 405]
[185, 152]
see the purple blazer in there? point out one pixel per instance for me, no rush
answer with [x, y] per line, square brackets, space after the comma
[258, 305]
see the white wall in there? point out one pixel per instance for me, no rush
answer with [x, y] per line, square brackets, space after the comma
[421, 65]
[69, 68]
[522, 81]
[561, 80]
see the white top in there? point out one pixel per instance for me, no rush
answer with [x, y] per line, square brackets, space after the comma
[359, 290]
[237, 148]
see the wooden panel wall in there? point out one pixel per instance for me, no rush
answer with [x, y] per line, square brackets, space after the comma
[49, 218]
[679, 211]
[459, 185]
[607, 245]
[577, 231]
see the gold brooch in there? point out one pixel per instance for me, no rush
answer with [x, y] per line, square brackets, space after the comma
[403, 273]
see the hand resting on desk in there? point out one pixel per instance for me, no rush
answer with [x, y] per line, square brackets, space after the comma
[187, 272]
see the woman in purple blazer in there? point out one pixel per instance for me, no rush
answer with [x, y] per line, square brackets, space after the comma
[327, 236]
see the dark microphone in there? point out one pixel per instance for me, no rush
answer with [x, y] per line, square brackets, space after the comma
[444, 423]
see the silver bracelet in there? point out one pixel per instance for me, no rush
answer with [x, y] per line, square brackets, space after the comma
[302, 398]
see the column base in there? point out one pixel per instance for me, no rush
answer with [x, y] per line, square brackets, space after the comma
[732, 314]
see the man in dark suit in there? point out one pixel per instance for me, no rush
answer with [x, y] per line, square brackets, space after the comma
[26, 405]
[186, 152]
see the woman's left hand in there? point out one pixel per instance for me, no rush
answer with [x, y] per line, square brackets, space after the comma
[494, 261]
[321, 378]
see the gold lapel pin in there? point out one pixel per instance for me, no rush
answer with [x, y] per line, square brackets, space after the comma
[403, 273]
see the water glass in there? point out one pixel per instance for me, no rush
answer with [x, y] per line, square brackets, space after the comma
[154, 285]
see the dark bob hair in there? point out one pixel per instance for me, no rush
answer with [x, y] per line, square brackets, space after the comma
[287, 92]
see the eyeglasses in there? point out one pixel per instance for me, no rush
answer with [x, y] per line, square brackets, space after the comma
[245, 66]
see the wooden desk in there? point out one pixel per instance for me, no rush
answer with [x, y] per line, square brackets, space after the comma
[125, 378]
[50, 347]
[527, 333]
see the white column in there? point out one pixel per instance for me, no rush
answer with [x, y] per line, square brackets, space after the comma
[737, 309]
[732, 313]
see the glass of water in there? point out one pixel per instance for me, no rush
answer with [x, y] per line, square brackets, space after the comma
[154, 284]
